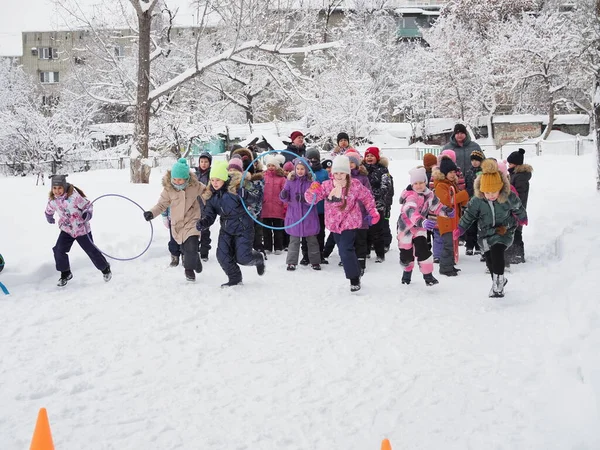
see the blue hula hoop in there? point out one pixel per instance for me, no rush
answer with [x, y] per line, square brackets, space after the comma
[150, 223]
[312, 204]
[3, 289]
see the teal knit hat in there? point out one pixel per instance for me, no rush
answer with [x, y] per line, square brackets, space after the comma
[181, 169]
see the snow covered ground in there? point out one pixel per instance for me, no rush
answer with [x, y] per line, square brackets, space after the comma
[294, 360]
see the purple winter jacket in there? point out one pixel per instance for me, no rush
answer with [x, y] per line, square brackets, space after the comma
[294, 189]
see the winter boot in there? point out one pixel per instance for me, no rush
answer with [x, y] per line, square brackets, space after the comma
[204, 257]
[304, 261]
[231, 283]
[107, 274]
[498, 283]
[362, 262]
[406, 277]
[64, 278]
[449, 271]
[469, 252]
[190, 275]
[260, 266]
[340, 264]
[430, 279]
[355, 284]
[174, 261]
[436, 260]
[380, 259]
[316, 266]
[291, 267]
[198, 268]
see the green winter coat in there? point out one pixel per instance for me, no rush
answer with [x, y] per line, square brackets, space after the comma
[492, 215]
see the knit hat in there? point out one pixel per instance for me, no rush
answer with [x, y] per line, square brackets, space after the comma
[295, 134]
[327, 163]
[354, 157]
[205, 155]
[272, 159]
[341, 164]
[280, 158]
[460, 128]
[60, 180]
[429, 160]
[491, 180]
[517, 157]
[313, 153]
[450, 154]
[447, 165]
[477, 155]
[181, 169]
[236, 163]
[341, 136]
[373, 151]
[288, 166]
[417, 174]
[502, 168]
[219, 170]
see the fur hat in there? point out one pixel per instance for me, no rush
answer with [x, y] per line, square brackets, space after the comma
[450, 154]
[502, 167]
[517, 157]
[373, 151]
[327, 163]
[219, 170]
[295, 134]
[460, 128]
[341, 164]
[60, 180]
[491, 180]
[417, 174]
[354, 157]
[236, 163]
[288, 166]
[342, 135]
[272, 159]
[429, 160]
[477, 155]
[447, 165]
[180, 169]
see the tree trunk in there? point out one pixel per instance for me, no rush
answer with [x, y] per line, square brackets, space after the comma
[249, 109]
[140, 170]
[596, 124]
[550, 122]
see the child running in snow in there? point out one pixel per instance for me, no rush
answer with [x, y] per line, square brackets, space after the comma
[343, 215]
[416, 203]
[498, 212]
[180, 194]
[236, 236]
[298, 183]
[74, 213]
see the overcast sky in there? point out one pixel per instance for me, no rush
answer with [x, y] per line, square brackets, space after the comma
[41, 15]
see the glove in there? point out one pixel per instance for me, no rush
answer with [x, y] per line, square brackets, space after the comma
[86, 216]
[284, 195]
[429, 225]
[300, 198]
[315, 186]
[501, 230]
[202, 225]
[148, 216]
[450, 213]
[458, 233]
[523, 223]
[50, 218]
[373, 218]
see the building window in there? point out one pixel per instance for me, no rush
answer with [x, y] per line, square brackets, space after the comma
[119, 51]
[79, 60]
[49, 100]
[48, 53]
[49, 77]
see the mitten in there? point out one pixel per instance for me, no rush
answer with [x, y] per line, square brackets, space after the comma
[86, 216]
[523, 223]
[50, 218]
[148, 216]
[450, 213]
[429, 224]
[501, 230]
[202, 225]
[373, 217]
[299, 197]
[458, 233]
[285, 194]
[315, 186]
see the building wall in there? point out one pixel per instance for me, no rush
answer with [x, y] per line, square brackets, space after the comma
[515, 132]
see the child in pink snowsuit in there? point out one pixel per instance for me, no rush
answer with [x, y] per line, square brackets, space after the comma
[416, 202]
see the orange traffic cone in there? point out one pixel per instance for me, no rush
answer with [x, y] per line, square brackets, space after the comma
[385, 445]
[42, 437]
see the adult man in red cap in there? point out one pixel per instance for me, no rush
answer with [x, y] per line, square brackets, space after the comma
[296, 146]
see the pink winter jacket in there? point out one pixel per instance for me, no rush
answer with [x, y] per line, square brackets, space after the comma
[350, 218]
[69, 212]
[273, 207]
[414, 209]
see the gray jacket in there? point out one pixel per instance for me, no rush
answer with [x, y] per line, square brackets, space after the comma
[463, 154]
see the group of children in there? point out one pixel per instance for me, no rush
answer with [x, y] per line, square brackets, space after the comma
[348, 195]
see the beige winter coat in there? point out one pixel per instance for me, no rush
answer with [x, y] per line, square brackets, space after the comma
[185, 209]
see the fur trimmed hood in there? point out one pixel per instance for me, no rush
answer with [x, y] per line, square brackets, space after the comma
[166, 181]
[437, 175]
[523, 168]
[384, 161]
[247, 155]
[232, 185]
[504, 192]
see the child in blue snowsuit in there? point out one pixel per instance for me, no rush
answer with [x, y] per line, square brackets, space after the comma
[237, 227]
